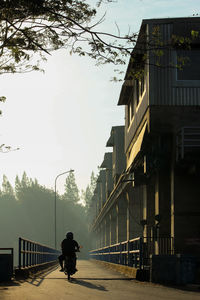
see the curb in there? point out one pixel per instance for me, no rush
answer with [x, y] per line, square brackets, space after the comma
[128, 271]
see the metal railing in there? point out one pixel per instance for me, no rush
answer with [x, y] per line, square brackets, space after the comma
[134, 253]
[187, 140]
[35, 254]
[162, 245]
[127, 253]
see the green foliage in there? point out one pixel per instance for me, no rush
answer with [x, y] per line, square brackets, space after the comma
[37, 27]
[25, 182]
[17, 185]
[2, 99]
[28, 210]
[29, 30]
[181, 42]
[89, 192]
[6, 187]
[194, 34]
[29, 27]
[104, 1]
[71, 190]
[6, 149]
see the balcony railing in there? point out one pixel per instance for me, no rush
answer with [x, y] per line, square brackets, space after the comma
[187, 141]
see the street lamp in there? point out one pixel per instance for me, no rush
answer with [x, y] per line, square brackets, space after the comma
[55, 199]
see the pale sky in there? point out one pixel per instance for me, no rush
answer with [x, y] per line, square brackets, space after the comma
[62, 119]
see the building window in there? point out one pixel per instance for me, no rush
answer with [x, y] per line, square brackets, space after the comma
[137, 91]
[129, 113]
[191, 69]
[142, 85]
[131, 108]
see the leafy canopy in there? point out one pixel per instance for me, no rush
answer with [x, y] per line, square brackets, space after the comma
[41, 26]
[71, 189]
[29, 30]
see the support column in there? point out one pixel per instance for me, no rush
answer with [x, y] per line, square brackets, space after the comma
[128, 218]
[94, 236]
[172, 205]
[133, 215]
[101, 235]
[104, 233]
[156, 214]
[98, 238]
[121, 219]
[113, 225]
[108, 229]
[135, 212]
[144, 211]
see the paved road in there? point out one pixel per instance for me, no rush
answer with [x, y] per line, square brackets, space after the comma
[92, 281]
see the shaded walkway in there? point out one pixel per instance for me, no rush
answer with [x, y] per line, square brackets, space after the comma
[92, 281]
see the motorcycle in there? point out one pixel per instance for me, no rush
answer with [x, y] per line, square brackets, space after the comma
[70, 265]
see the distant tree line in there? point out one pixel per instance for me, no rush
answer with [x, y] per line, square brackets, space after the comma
[27, 210]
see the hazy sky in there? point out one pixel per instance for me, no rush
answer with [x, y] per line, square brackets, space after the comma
[62, 119]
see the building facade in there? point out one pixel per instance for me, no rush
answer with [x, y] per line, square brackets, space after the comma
[155, 191]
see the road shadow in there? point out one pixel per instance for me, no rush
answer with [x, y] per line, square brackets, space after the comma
[7, 285]
[88, 284]
[4, 285]
[37, 279]
[92, 278]
[101, 278]
[188, 287]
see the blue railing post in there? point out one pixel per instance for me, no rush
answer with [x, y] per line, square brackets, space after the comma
[20, 261]
[141, 253]
[128, 254]
[23, 253]
[27, 254]
[120, 255]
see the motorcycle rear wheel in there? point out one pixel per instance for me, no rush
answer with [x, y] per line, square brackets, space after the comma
[68, 267]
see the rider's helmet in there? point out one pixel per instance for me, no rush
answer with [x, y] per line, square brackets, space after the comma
[69, 235]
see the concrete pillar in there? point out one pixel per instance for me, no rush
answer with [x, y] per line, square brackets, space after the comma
[144, 210]
[151, 206]
[104, 233]
[101, 236]
[98, 238]
[164, 203]
[121, 219]
[162, 207]
[113, 225]
[134, 228]
[108, 229]
[172, 201]
[156, 211]
[130, 219]
[94, 237]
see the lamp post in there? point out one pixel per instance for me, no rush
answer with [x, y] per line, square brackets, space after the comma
[55, 199]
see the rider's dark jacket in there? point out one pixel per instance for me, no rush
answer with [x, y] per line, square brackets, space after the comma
[69, 247]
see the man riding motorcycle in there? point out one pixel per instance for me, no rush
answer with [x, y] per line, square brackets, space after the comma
[69, 248]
